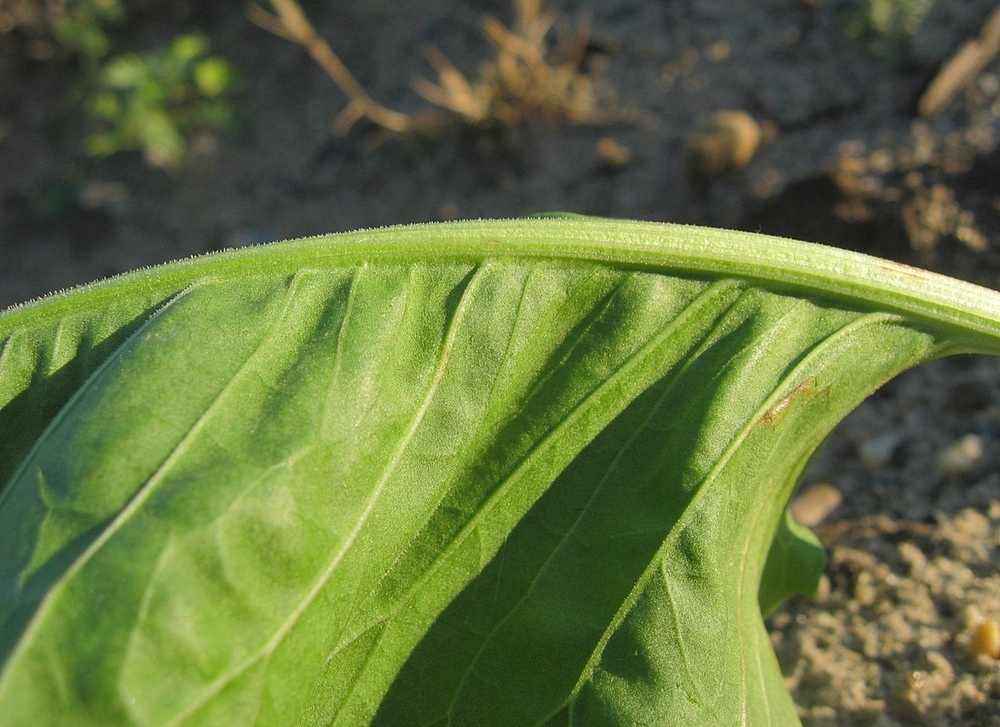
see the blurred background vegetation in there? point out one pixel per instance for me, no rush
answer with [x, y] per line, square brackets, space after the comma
[148, 99]
[152, 99]
[135, 131]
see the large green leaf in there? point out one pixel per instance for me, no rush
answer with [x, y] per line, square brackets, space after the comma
[513, 473]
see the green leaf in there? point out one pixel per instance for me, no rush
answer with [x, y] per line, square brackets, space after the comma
[212, 76]
[188, 47]
[125, 72]
[518, 472]
[794, 565]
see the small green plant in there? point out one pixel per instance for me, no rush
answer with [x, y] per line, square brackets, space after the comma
[149, 101]
[78, 26]
[896, 18]
[889, 24]
[498, 472]
[81, 26]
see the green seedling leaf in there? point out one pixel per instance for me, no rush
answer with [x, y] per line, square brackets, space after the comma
[213, 76]
[188, 47]
[513, 473]
[125, 72]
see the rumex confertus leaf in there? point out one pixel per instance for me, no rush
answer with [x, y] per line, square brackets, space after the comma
[518, 472]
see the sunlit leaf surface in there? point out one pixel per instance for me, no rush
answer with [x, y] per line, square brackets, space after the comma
[505, 473]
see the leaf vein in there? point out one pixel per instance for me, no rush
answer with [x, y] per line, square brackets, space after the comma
[272, 644]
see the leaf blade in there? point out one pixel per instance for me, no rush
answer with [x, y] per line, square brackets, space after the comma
[416, 435]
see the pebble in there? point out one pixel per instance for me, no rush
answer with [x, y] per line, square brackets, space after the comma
[613, 153]
[721, 142]
[986, 640]
[103, 195]
[813, 505]
[865, 591]
[879, 451]
[912, 556]
[970, 615]
[961, 457]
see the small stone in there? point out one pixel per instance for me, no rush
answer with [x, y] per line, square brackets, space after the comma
[986, 640]
[912, 556]
[961, 457]
[613, 153]
[865, 592]
[718, 51]
[103, 195]
[812, 505]
[970, 615]
[719, 143]
[879, 451]
[822, 589]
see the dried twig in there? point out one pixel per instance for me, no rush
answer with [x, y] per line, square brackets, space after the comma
[522, 81]
[962, 68]
[290, 22]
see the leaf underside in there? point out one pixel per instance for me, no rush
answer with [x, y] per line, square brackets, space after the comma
[439, 487]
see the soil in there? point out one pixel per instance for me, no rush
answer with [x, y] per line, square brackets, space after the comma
[844, 159]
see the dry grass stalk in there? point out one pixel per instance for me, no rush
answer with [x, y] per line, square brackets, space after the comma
[962, 68]
[526, 79]
[291, 23]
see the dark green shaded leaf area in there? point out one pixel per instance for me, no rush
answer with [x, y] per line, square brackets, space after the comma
[500, 473]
